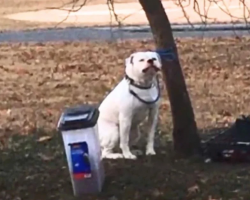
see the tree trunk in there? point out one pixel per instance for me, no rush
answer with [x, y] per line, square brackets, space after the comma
[186, 138]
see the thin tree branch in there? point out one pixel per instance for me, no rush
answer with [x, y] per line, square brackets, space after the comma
[179, 3]
[77, 5]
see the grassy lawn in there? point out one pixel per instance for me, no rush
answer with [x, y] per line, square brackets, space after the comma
[39, 80]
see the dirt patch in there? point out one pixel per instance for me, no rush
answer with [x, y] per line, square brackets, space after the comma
[15, 6]
[39, 80]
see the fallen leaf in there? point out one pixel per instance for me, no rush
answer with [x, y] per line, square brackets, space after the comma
[193, 189]
[211, 198]
[44, 138]
[204, 180]
[8, 112]
[30, 177]
[45, 157]
[113, 198]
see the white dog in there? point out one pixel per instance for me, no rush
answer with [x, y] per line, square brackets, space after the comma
[133, 100]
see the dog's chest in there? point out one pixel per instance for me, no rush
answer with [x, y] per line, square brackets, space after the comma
[141, 109]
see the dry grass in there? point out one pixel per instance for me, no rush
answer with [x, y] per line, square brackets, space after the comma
[38, 80]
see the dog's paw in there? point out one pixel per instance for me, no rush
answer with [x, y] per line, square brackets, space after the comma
[150, 152]
[112, 156]
[129, 155]
[137, 152]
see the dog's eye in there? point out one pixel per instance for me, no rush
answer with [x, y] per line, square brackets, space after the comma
[153, 59]
[141, 60]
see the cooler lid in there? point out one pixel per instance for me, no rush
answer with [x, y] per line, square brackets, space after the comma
[79, 117]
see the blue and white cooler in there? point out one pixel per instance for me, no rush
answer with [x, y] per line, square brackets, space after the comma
[78, 126]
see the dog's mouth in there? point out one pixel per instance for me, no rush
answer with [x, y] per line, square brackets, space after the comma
[156, 69]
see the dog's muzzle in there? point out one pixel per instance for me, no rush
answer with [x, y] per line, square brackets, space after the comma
[151, 67]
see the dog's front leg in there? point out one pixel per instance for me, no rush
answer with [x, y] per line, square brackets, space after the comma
[152, 123]
[125, 126]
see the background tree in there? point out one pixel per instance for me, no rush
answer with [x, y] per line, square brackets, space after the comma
[186, 139]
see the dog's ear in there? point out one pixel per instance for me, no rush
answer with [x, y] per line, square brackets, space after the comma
[129, 60]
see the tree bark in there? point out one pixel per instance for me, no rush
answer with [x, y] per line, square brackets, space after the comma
[186, 138]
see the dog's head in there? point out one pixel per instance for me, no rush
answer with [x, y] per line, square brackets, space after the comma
[143, 65]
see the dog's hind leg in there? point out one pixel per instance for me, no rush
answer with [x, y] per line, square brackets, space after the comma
[109, 138]
[135, 136]
[135, 139]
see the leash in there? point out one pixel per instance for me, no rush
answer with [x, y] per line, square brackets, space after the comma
[142, 87]
[132, 82]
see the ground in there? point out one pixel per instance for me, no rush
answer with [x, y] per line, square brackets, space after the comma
[39, 80]
[33, 14]
[15, 6]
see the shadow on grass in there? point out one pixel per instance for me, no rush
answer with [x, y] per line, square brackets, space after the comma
[33, 169]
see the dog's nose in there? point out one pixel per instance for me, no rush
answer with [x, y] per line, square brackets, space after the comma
[150, 61]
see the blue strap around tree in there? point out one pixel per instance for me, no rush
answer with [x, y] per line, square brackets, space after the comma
[167, 54]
